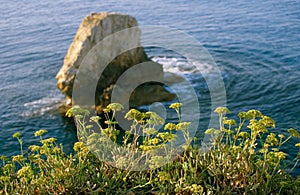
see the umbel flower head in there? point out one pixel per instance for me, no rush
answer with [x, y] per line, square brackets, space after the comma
[222, 110]
[17, 135]
[175, 105]
[40, 132]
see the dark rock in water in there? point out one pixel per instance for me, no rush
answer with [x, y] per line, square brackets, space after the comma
[93, 29]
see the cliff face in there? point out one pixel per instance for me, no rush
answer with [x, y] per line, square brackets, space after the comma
[93, 29]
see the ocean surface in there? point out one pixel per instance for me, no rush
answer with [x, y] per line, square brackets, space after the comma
[255, 44]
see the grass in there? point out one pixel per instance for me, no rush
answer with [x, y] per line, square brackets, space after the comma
[245, 158]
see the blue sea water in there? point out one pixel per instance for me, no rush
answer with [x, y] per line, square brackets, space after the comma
[256, 45]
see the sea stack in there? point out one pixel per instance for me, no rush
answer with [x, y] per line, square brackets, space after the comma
[93, 29]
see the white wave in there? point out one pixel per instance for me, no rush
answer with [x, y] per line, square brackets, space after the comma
[42, 102]
[45, 105]
[180, 65]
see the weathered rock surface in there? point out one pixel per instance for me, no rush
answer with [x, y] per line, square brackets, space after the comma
[93, 29]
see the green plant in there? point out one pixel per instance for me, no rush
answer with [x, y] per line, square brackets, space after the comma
[245, 158]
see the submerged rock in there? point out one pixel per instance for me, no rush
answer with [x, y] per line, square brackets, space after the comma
[93, 29]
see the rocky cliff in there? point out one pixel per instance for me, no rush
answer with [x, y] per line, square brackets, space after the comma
[93, 29]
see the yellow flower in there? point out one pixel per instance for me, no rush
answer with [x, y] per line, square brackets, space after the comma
[49, 140]
[251, 151]
[212, 131]
[229, 122]
[150, 131]
[36, 158]
[257, 126]
[236, 149]
[115, 106]
[156, 161]
[280, 155]
[4, 158]
[34, 148]
[175, 105]
[272, 140]
[167, 136]
[163, 176]
[170, 126]
[154, 141]
[18, 158]
[243, 135]
[4, 178]
[196, 188]
[24, 171]
[294, 133]
[154, 118]
[281, 136]
[76, 111]
[134, 114]
[147, 148]
[16, 135]
[254, 113]
[183, 126]
[40, 132]
[244, 115]
[222, 110]
[267, 121]
[121, 162]
[95, 118]
[56, 150]
[79, 146]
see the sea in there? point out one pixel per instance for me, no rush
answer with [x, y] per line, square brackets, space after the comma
[255, 45]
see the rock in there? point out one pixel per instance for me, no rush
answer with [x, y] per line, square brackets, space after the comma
[93, 29]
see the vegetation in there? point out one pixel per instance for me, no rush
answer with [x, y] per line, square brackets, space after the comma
[245, 158]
